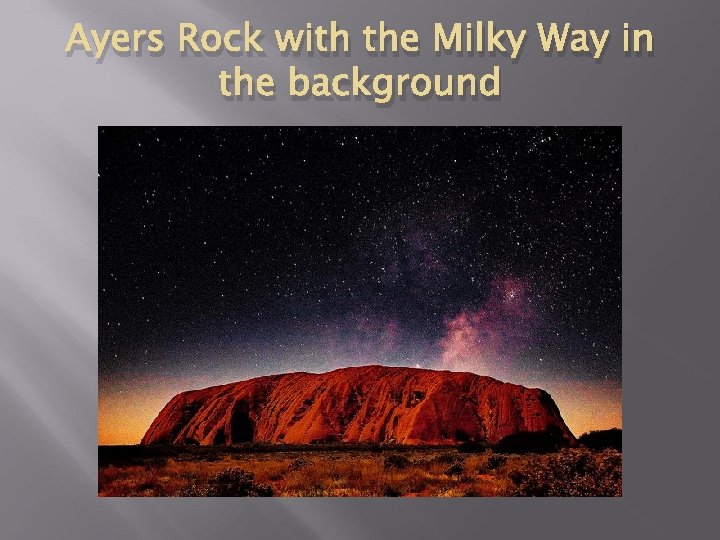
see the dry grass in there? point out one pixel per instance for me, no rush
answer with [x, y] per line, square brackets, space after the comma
[358, 473]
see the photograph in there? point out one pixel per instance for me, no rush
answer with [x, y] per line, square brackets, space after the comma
[359, 311]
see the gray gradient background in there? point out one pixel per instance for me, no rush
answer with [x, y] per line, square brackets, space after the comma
[50, 109]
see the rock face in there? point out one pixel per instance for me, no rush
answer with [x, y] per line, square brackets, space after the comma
[359, 404]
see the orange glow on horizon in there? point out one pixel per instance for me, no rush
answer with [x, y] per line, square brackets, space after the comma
[124, 417]
[588, 405]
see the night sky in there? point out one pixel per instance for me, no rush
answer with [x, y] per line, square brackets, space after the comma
[227, 253]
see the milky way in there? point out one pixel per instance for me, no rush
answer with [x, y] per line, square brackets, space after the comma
[226, 253]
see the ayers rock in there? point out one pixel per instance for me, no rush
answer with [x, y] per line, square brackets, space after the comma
[359, 404]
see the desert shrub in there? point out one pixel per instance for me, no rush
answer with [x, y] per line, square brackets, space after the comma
[456, 469]
[396, 461]
[413, 482]
[600, 440]
[494, 462]
[299, 463]
[391, 491]
[569, 473]
[233, 482]
[334, 474]
[535, 442]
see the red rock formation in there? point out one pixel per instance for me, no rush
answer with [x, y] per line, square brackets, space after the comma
[359, 404]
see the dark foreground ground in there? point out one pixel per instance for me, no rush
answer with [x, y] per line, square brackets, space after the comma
[355, 471]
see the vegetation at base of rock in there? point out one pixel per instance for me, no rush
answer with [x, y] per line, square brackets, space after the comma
[494, 462]
[473, 446]
[396, 461]
[356, 472]
[233, 482]
[570, 473]
[599, 440]
[527, 442]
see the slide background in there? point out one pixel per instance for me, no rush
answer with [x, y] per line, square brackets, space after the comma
[50, 108]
